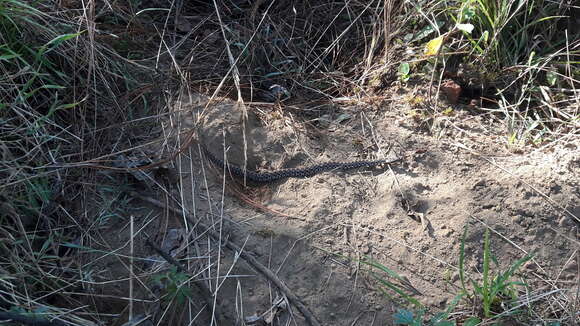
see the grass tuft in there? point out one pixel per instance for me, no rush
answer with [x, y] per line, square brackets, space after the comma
[492, 298]
[58, 87]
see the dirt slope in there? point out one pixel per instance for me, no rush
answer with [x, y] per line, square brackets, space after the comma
[410, 216]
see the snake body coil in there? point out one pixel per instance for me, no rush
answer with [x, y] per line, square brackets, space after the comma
[268, 177]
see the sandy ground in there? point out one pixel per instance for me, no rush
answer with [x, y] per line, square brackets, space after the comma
[455, 171]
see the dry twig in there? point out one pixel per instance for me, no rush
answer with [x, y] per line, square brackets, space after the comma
[266, 272]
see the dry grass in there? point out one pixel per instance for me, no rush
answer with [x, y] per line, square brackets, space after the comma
[66, 99]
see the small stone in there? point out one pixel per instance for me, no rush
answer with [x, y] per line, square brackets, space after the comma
[530, 266]
[455, 277]
[564, 221]
[431, 302]
[529, 239]
[447, 232]
[517, 219]
[572, 267]
[367, 249]
[479, 183]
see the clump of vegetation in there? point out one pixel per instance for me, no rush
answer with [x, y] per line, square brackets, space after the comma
[521, 56]
[58, 88]
[494, 290]
[174, 284]
[34, 113]
[491, 297]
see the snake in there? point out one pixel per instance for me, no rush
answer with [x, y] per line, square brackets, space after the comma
[282, 174]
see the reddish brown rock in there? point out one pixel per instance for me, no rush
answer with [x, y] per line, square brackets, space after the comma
[452, 90]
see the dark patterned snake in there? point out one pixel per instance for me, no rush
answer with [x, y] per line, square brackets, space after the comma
[269, 177]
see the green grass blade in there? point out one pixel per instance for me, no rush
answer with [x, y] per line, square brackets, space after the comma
[462, 259]
[396, 289]
[486, 286]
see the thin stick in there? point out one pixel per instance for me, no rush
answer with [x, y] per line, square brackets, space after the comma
[310, 318]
